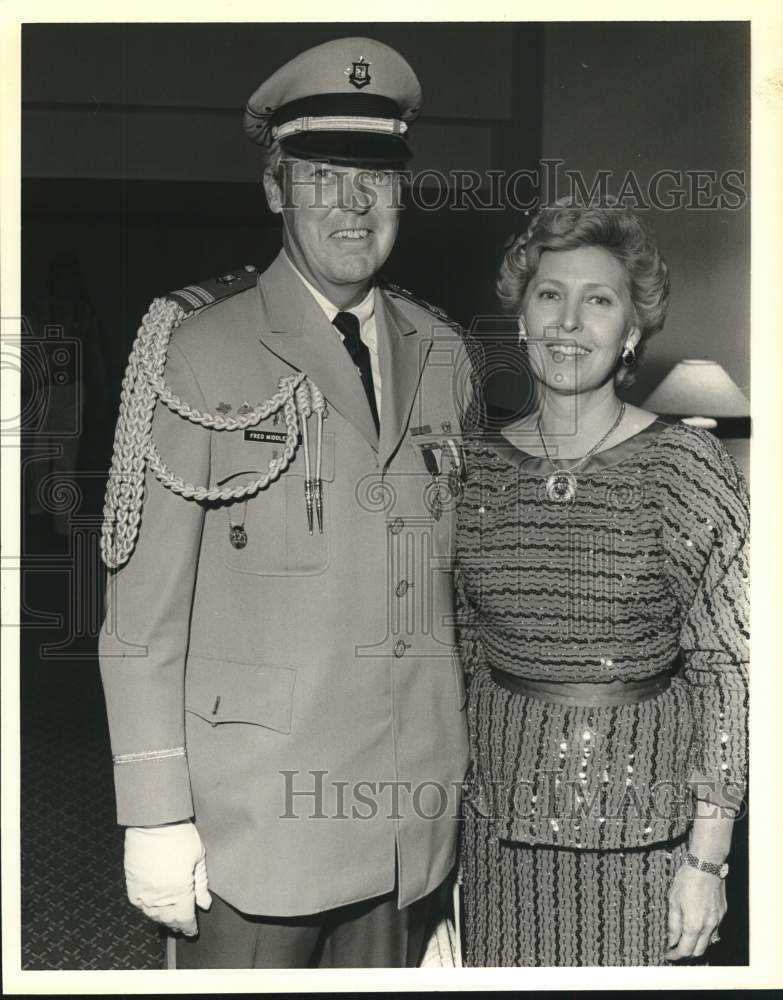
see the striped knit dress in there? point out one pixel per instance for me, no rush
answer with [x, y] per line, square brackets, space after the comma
[576, 817]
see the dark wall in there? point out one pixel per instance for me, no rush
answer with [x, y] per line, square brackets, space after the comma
[135, 160]
[669, 96]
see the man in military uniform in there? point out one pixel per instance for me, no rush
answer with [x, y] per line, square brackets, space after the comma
[286, 712]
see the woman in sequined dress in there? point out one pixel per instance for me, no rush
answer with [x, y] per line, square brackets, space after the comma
[602, 585]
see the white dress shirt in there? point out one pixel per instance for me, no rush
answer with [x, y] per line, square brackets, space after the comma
[368, 331]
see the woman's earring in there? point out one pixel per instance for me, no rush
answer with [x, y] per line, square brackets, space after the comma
[629, 357]
[522, 334]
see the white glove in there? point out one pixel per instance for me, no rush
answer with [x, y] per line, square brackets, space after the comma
[166, 874]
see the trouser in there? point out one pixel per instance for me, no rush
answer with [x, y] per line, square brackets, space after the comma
[372, 933]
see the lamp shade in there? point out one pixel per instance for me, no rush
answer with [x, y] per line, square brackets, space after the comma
[698, 387]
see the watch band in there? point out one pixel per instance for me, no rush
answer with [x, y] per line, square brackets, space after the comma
[721, 871]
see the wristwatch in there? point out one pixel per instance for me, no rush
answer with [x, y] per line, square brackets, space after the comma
[707, 866]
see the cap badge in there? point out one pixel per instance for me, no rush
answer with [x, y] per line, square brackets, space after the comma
[359, 73]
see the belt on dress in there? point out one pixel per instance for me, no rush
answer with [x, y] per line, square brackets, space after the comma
[599, 693]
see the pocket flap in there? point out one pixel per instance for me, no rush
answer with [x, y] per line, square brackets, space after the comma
[231, 691]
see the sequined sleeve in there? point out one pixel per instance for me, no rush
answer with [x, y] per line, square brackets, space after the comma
[705, 528]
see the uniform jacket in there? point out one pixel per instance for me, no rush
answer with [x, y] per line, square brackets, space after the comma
[320, 664]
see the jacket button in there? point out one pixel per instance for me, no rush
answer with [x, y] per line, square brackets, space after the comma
[399, 648]
[396, 526]
[402, 588]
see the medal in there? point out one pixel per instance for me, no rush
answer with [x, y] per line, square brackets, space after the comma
[455, 482]
[455, 475]
[237, 535]
[436, 505]
[430, 461]
[434, 502]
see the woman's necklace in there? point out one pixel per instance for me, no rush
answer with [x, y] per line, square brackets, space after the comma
[561, 484]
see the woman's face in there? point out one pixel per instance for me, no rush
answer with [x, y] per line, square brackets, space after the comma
[579, 318]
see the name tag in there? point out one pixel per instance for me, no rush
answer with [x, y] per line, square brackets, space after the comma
[275, 437]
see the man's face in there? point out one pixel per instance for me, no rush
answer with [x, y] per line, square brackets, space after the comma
[339, 223]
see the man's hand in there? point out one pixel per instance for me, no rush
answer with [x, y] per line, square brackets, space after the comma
[166, 874]
[697, 904]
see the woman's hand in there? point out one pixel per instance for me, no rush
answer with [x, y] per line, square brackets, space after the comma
[697, 904]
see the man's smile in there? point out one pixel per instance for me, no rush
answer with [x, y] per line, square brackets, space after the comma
[351, 234]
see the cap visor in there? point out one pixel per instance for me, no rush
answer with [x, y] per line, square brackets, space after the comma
[360, 149]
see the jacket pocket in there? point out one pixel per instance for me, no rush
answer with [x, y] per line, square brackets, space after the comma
[274, 536]
[221, 691]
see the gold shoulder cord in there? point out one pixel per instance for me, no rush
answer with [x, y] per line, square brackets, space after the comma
[135, 448]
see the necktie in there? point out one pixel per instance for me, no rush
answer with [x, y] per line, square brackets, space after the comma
[348, 325]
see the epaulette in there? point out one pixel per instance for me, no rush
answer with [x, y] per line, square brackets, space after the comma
[194, 297]
[403, 293]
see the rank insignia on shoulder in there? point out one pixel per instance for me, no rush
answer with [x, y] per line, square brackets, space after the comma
[403, 293]
[194, 297]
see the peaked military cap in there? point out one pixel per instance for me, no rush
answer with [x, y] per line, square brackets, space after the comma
[349, 101]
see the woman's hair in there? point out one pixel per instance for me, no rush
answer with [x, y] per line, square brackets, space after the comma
[611, 226]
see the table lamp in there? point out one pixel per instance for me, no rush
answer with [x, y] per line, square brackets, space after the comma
[699, 391]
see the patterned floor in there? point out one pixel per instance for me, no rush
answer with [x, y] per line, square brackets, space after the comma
[74, 911]
[75, 914]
